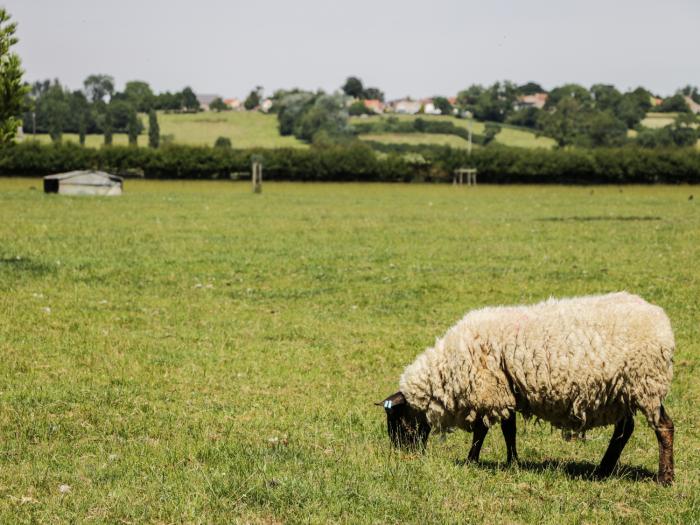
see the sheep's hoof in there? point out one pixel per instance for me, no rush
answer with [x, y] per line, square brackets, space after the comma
[665, 479]
[602, 472]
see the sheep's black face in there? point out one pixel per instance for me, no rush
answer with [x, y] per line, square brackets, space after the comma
[408, 428]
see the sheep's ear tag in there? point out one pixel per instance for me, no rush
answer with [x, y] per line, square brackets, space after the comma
[393, 400]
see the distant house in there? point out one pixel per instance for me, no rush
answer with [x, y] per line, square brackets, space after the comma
[428, 107]
[234, 103]
[83, 183]
[536, 100]
[655, 101]
[694, 106]
[266, 105]
[374, 105]
[206, 99]
[406, 106]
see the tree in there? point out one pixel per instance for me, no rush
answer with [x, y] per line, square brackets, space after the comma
[606, 97]
[674, 104]
[12, 90]
[633, 107]
[134, 127]
[373, 93]
[218, 105]
[55, 105]
[563, 124]
[140, 95]
[98, 87]
[490, 132]
[353, 87]
[692, 92]
[107, 125]
[573, 91]
[358, 108]
[253, 99]
[189, 100]
[443, 105]
[79, 114]
[153, 129]
[531, 88]
[601, 128]
[526, 117]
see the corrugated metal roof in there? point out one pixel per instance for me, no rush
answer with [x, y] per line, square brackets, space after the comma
[87, 178]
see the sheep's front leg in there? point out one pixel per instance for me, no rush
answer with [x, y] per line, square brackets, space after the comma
[508, 428]
[664, 434]
[480, 431]
[621, 434]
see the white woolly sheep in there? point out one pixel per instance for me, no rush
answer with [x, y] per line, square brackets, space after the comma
[577, 363]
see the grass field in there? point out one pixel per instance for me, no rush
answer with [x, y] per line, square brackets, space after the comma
[194, 353]
[509, 136]
[245, 129]
[417, 138]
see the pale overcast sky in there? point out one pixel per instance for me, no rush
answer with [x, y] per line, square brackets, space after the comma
[421, 48]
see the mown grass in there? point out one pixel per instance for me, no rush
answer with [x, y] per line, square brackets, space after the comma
[417, 138]
[246, 129]
[192, 352]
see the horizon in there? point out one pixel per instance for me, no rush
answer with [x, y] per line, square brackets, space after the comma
[388, 45]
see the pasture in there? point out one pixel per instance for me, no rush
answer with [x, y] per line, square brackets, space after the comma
[193, 353]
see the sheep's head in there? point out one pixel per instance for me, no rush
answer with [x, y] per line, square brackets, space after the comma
[408, 428]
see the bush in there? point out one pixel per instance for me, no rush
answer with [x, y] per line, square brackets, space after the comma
[223, 142]
[361, 162]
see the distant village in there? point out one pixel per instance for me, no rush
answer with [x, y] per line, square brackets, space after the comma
[410, 106]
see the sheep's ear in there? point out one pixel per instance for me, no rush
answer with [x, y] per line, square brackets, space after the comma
[392, 401]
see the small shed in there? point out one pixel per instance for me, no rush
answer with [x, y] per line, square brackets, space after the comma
[83, 183]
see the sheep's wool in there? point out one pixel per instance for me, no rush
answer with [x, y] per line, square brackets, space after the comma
[577, 363]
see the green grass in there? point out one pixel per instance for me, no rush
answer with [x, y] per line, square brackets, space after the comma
[246, 129]
[192, 352]
[417, 138]
[509, 135]
[658, 120]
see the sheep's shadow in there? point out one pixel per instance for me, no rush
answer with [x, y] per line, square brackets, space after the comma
[573, 469]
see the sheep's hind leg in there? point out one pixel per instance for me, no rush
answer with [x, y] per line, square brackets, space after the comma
[621, 434]
[480, 431]
[664, 434]
[508, 428]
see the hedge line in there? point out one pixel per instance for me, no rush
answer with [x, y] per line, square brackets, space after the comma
[359, 162]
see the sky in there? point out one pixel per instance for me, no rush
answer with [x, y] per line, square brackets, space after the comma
[404, 47]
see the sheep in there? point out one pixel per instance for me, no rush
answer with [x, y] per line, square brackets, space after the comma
[577, 363]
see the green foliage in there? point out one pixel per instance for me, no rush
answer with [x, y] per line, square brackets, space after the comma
[189, 100]
[98, 87]
[373, 93]
[218, 105]
[223, 142]
[353, 87]
[134, 127]
[358, 108]
[525, 117]
[12, 90]
[253, 99]
[683, 133]
[490, 131]
[140, 95]
[443, 105]
[574, 92]
[153, 129]
[305, 114]
[531, 88]
[494, 103]
[357, 161]
[674, 104]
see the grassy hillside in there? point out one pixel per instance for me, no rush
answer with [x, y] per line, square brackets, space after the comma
[245, 129]
[417, 138]
[195, 353]
[509, 136]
